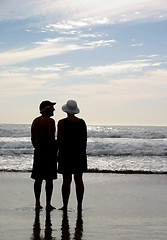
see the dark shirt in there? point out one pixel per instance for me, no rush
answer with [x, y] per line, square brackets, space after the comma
[72, 140]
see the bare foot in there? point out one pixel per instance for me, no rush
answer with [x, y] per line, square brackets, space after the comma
[50, 208]
[63, 208]
[38, 207]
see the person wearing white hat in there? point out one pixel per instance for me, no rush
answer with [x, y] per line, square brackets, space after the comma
[72, 159]
[44, 143]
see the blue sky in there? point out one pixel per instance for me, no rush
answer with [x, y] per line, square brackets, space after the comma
[110, 56]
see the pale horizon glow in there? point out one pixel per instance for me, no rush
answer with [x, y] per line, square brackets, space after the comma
[110, 56]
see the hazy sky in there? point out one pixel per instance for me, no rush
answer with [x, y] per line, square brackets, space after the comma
[110, 56]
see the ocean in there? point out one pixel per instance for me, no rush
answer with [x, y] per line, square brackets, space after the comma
[117, 149]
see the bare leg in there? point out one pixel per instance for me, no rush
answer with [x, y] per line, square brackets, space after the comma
[49, 190]
[79, 190]
[37, 192]
[66, 190]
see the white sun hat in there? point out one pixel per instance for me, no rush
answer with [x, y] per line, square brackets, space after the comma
[71, 107]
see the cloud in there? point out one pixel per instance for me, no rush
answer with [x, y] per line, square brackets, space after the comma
[55, 67]
[111, 86]
[151, 85]
[119, 91]
[77, 9]
[45, 49]
[137, 44]
[124, 67]
[98, 73]
[77, 24]
[49, 47]
[100, 43]
[124, 79]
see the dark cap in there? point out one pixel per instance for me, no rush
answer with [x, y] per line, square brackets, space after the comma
[46, 104]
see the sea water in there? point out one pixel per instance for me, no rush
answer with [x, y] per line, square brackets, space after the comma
[109, 148]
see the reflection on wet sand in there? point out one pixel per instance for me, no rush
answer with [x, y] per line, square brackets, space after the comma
[37, 227]
[65, 228]
[79, 227]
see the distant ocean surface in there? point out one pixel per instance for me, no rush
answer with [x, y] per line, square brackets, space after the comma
[119, 149]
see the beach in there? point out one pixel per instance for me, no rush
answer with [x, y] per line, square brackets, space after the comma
[116, 207]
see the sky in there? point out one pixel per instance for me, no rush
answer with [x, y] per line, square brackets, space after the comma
[110, 56]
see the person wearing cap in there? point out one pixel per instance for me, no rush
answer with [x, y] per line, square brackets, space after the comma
[44, 143]
[72, 159]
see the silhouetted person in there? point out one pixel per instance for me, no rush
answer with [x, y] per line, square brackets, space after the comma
[72, 160]
[44, 143]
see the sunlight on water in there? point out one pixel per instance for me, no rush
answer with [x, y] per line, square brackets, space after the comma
[115, 148]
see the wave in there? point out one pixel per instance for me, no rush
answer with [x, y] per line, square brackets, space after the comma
[127, 148]
[97, 150]
[94, 131]
[127, 132]
[118, 149]
[15, 130]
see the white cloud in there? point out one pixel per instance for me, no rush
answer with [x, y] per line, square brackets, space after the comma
[118, 91]
[77, 9]
[23, 84]
[76, 24]
[46, 49]
[137, 44]
[147, 67]
[49, 47]
[102, 78]
[127, 67]
[119, 80]
[55, 67]
[100, 43]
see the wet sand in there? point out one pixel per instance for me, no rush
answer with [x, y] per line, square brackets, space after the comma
[116, 207]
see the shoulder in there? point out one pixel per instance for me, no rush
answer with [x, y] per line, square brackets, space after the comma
[36, 120]
[82, 121]
[79, 122]
[47, 120]
[51, 120]
[43, 121]
[61, 121]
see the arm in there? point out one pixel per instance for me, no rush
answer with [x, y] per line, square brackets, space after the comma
[60, 131]
[34, 133]
[51, 131]
[85, 134]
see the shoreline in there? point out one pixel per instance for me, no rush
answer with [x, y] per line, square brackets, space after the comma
[98, 171]
[116, 206]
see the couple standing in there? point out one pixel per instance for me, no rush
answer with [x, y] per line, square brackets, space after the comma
[69, 150]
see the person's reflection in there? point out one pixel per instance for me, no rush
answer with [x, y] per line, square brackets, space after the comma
[78, 227]
[37, 227]
[65, 228]
[48, 227]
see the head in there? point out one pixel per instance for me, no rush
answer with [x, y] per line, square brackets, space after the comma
[71, 107]
[47, 108]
